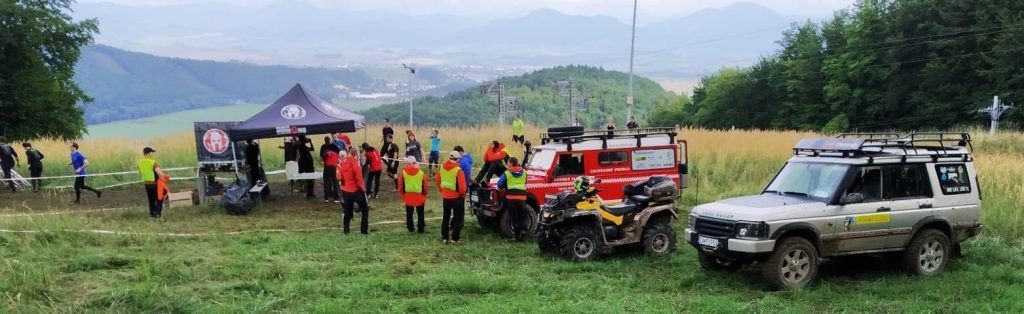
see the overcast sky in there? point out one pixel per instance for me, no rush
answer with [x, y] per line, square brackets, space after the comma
[649, 9]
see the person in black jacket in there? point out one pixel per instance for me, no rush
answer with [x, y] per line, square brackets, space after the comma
[252, 159]
[8, 159]
[35, 165]
[305, 150]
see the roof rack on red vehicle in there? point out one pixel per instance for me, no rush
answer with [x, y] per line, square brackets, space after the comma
[873, 145]
[576, 136]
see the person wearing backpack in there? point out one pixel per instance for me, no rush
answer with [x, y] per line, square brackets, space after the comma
[8, 159]
[35, 165]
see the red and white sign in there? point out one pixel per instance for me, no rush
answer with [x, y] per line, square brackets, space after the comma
[216, 141]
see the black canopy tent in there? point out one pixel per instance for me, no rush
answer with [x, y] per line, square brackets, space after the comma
[298, 112]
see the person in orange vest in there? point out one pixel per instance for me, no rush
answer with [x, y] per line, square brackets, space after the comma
[149, 171]
[353, 190]
[451, 181]
[494, 162]
[513, 181]
[412, 185]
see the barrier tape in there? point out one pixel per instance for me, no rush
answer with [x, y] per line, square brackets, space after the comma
[193, 235]
[97, 174]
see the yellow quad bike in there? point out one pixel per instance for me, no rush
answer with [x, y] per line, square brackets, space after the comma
[578, 225]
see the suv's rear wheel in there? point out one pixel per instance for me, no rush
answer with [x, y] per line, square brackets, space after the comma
[581, 243]
[712, 263]
[793, 264]
[928, 253]
[658, 239]
[529, 218]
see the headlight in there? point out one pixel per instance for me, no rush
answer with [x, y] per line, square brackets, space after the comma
[692, 222]
[751, 229]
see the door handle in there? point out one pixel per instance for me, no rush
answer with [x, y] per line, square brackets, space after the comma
[925, 206]
[884, 209]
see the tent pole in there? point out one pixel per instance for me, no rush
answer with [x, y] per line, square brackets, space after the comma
[234, 159]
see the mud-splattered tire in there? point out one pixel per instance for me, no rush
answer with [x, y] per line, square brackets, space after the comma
[581, 243]
[547, 242]
[658, 239]
[505, 223]
[928, 253]
[794, 264]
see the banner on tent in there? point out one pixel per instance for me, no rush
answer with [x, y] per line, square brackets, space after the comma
[213, 145]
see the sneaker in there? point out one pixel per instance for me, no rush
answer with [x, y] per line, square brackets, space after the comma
[337, 201]
[326, 201]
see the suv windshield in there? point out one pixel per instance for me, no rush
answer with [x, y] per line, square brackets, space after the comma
[541, 159]
[812, 180]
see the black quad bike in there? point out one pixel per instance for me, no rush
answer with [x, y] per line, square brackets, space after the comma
[579, 226]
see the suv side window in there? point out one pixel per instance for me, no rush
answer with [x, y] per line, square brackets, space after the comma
[868, 182]
[953, 179]
[609, 159]
[569, 164]
[905, 181]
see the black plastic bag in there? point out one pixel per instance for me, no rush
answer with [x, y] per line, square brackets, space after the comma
[236, 198]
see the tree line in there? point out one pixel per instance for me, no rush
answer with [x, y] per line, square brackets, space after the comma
[881, 64]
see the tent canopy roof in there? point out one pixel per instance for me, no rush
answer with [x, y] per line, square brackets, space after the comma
[298, 112]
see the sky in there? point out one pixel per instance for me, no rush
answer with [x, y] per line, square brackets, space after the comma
[652, 10]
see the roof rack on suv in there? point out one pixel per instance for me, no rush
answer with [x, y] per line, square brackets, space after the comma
[569, 138]
[874, 145]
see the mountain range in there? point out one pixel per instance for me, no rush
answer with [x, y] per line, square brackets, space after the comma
[299, 33]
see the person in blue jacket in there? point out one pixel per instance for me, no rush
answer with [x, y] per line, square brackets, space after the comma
[466, 163]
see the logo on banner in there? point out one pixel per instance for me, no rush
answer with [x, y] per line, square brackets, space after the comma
[293, 112]
[330, 108]
[216, 141]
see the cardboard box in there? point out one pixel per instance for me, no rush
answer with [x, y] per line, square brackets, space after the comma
[180, 199]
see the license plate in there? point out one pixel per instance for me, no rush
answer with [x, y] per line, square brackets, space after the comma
[707, 241]
[474, 198]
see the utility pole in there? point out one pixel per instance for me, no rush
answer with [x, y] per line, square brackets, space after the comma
[412, 73]
[994, 112]
[632, 46]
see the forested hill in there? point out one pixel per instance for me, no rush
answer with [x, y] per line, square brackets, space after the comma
[883, 64]
[128, 85]
[540, 102]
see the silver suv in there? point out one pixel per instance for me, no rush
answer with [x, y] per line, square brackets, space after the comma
[917, 195]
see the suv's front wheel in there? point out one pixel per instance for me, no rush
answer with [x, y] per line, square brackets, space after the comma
[928, 253]
[793, 264]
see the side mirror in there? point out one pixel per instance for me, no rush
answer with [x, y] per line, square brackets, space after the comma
[853, 198]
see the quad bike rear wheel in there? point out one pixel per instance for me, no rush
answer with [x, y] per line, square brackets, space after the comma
[658, 239]
[581, 243]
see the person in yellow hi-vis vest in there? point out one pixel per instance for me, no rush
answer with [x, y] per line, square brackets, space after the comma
[452, 183]
[149, 171]
[514, 183]
[412, 185]
[517, 130]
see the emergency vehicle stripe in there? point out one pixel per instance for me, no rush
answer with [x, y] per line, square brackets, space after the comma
[562, 184]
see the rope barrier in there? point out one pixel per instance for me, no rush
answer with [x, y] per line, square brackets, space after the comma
[202, 234]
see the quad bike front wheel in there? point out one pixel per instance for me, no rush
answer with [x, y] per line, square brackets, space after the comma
[547, 242]
[658, 239]
[581, 243]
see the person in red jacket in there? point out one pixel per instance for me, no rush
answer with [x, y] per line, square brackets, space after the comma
[353, 190]
[494, 162]
[451, 181]
[376, 166]
[331, 159]
[412, 185]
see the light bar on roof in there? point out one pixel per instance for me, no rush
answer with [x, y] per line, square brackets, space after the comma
[830, 144]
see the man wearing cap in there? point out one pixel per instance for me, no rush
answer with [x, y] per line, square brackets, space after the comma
[79, 163]
[412, 185]
[150, 172]
[353, 190]
[452, 183]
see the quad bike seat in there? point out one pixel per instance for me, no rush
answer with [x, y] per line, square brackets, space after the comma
[620, 210]
[640, 200]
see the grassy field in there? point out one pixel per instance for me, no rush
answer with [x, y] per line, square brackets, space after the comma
[290, 256]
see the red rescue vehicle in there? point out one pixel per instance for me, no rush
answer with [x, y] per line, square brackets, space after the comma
[617, 158]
